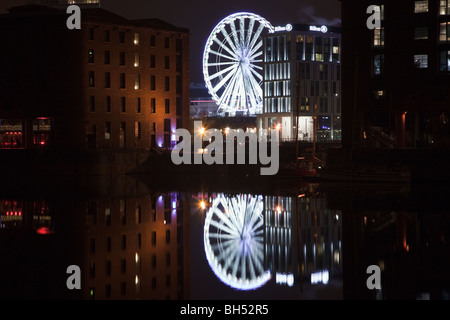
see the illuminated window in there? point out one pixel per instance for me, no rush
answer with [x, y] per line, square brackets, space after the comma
[444, 7]
[420, 6]
[107, 130]
[137, 82]
[91, 79]
[420, 33]
[137, 130]
[378, 64]
[136, 38]
[444, 32]
[421, 61]
[378, 37]
[136, 59]
[444, 65]
[91, 56]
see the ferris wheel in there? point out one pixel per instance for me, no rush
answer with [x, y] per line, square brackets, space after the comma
[234, 243]
[232, 63]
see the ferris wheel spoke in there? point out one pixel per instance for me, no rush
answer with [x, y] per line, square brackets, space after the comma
[218, 74]
[250, 32]
[256, 54]
[223, 46]
[242, 31]
[234, 33]
[256, 35]
[223, 217]
[226, 95]
[223, 55]
[255, 49]
[223, 81]
[227, 37]
[256, 67]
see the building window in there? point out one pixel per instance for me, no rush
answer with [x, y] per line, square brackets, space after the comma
[421, 61]
[138, 105]
[166, 42]
[122, 58]
[91, 33]
[122, 81]
[107, 130]
[420, 6]
[152, 41]
[444, 61]
[167, 84]
[107, 57]
[154, 238]
[108, 104]
[137, 130]
[444, 7]
[168, 236]
[420, 33]
[91, 103]
[378, 64]
[378, 37]
[91, 56]
[152, 61]
[136, 38]
[137, 82]
[136, 59]
[166, 124]
[153, 105]
[107, 36]
[91, 79]
[122, 37]
[167, 105]
[152, 82]
[166, 62]
[123, 107]
[107, 80]
[444, 32]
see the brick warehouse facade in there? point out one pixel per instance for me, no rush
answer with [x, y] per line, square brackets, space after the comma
[116, 84]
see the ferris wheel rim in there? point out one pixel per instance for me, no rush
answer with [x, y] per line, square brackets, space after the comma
[247, 83]
[220, 270]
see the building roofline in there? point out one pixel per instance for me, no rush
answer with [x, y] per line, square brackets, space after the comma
[90, 14]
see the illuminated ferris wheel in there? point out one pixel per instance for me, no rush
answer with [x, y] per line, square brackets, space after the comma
[232, 63]
[233, 240]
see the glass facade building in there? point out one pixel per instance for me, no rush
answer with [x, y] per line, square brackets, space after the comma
[302, 80]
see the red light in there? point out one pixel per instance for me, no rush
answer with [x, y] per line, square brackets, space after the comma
[44, 230]
[42, 142]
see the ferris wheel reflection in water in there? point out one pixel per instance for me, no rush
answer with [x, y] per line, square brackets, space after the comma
[248, 239]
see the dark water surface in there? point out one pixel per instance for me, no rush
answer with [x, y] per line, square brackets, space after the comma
[212, 239]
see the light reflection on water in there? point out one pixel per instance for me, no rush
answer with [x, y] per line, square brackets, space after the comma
[305, 243]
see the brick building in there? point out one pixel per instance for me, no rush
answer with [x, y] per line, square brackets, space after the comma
[115, 84]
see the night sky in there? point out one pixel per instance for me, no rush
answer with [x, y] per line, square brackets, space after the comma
[201, 16]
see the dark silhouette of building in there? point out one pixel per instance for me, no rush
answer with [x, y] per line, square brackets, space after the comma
[396, 78]
[114, 84]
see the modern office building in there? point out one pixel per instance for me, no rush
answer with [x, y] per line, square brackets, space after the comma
[301, 69]
[114, 84]
[396, 76]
